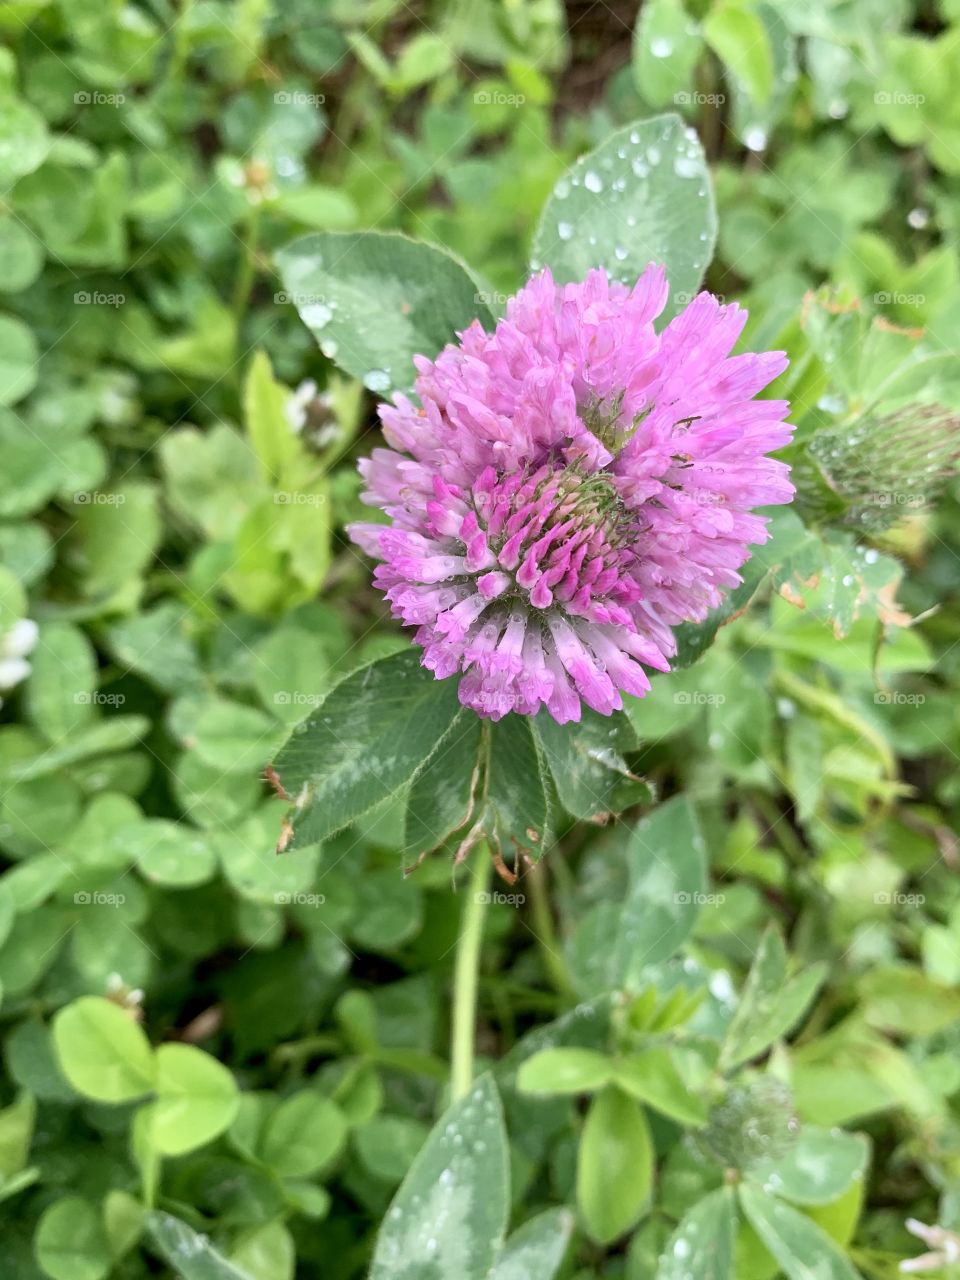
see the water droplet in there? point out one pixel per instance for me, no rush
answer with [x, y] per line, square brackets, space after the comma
[562, 189]
[564, 230]
[620, 253]
[661, 47]
[653, 155]
[918, 218]
[684, 167]
[593, 182]
[377, 380]
[316, 315]
[755, 137]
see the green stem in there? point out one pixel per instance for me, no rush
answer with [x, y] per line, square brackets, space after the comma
[247, 266]
[536, 880]
[465, 975]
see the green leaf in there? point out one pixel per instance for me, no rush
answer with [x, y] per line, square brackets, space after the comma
[102, 1051]
[320, 207]
[565, 1071]
[652, 1077]
[305, 1133]
[903, 1000]
[536, 1248]
[233, 737]
[266, 1252]
[702, 1244]
[441, 797]
[820, 1166]
[101, 738]
[16, 1134]
[60, 692]
[642, 196]
[169, 853]
[190, 1255]
[586, 761]
[666, 49]
[447, 1221]
[19, 361]
[615, 1166]
[196, 1100]
[24, 141]
[369, 737]
[770, 1005]
[70, 1241]
[740, 40]
[21, 256]
[516, 811]
[801, 1248]
[264, 409]
[666, 862]
[374, 301]
[123, 1219]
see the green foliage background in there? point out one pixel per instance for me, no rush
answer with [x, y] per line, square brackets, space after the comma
[220, 1064]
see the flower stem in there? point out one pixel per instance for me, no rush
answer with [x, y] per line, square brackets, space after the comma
[466, 972]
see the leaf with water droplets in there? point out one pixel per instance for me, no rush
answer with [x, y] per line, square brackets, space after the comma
[448, 1219]
[702, 1245]
[666, 49]
[536, 1248]
[374, 301]
[820, 1166]
[586, 760]
[373, 732]
[803, 1250]
[642, 196]
[189, 1254]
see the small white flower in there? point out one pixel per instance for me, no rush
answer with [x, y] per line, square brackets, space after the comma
[12, 671]
[20, 639]
[296, 407]
[945, 1246]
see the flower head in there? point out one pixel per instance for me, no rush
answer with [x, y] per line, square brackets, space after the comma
[571, 487]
